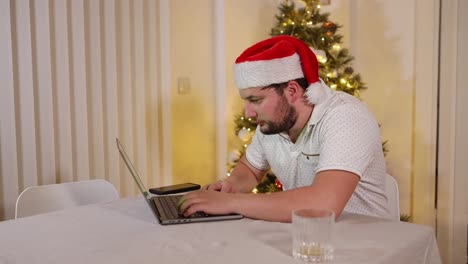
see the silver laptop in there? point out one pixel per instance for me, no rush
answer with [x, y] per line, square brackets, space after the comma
[165, 207]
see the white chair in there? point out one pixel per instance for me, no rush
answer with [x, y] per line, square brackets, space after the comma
[47, 198]
[393, 197]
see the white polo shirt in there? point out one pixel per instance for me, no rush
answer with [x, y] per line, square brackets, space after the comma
[341, 134]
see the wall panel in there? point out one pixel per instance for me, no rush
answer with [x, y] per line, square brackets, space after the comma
[74, 75]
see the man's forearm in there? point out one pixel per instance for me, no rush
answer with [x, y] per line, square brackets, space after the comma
[331, 190]
[271, 207]
[244, 176]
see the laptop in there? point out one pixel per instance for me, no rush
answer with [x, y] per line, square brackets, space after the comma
[165, 207]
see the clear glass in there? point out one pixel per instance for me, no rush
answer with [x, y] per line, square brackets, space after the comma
[312, 235]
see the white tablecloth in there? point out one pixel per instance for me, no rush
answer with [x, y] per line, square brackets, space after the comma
[125, 231]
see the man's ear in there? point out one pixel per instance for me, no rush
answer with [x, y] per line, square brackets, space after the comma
[294, 91]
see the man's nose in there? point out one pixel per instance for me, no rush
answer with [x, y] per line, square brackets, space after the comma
[249, 112]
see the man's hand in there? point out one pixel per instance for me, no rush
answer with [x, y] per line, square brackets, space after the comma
[209, 202]
[221, 186]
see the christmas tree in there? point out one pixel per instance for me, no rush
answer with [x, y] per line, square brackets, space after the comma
[306, 22]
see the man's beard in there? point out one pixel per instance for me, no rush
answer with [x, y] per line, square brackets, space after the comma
[288, 117]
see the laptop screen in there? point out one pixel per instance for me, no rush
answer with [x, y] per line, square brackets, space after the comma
[132, 169]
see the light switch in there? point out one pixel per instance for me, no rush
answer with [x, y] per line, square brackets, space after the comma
[183, 85]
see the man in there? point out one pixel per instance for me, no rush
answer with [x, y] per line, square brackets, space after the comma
[323, 145]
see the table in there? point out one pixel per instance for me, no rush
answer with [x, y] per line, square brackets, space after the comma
[125, 231]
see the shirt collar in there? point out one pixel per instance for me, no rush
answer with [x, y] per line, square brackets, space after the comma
[317, 113]
[321, 108]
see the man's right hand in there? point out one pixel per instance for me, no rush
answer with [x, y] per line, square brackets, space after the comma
[222, 186]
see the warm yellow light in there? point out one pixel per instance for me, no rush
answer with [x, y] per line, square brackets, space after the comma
[329, 75]
[318, 6]
[322, 59]
[323, 39]
[333, 86]
[343, 81]
[255, 190]
[245, 145]
[292, 22]
[336, 47]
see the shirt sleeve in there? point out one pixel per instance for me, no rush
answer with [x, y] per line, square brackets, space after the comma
[349, 138]
[255, 152]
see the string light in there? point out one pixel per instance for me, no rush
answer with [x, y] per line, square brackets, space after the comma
[336, 47]
[318, 6]
[322, 59]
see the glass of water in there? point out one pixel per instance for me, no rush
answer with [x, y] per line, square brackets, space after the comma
[312, 235]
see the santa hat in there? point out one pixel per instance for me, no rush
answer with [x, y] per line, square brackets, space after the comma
[276, 60]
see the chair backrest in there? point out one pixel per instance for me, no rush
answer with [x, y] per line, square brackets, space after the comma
[47, 198]
[393, 197]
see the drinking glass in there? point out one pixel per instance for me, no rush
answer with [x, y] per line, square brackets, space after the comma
[312, 235]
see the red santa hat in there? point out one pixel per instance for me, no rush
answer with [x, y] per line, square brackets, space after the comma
[276, 60]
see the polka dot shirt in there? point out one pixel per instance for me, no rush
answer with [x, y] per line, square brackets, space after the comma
[341, 134]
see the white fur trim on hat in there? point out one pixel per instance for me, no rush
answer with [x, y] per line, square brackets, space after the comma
[263, 73]
[318, 92]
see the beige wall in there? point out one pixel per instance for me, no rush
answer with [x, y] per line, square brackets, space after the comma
[193, 111]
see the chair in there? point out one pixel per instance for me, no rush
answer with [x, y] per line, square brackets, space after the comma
[47, 198]
[393, 197]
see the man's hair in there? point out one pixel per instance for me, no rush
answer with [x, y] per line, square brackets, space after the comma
[279, 87]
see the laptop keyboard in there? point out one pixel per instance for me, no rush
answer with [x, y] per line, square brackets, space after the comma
[169, 206]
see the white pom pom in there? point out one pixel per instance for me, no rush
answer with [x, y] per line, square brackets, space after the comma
[317, 92]
[320, 54]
